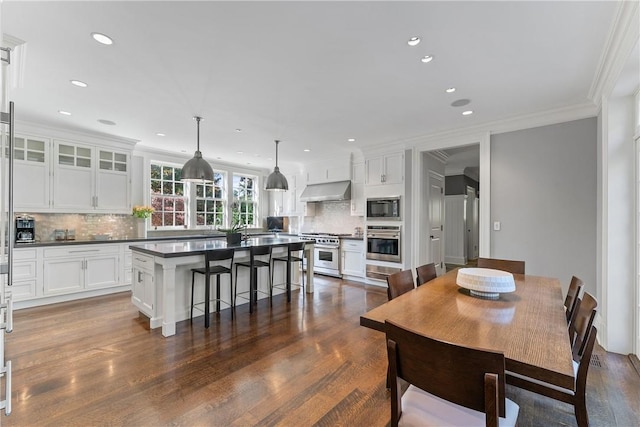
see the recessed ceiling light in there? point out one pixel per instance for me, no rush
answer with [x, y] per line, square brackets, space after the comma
[101, 38]
[427, 58]
[239, 152]
[79, 83]
[306, 150]
[160, 134]
[351, 140]
[64, 113]
[467, 113]
[107, 122]
[450, 90]
[238, 130]
[413, 41]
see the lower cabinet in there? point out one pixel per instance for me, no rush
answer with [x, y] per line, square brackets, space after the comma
[79, 268]
[353, 261]
[143, 289]
[25, 274]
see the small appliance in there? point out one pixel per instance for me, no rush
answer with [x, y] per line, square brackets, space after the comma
[25, 229]
[384, 208]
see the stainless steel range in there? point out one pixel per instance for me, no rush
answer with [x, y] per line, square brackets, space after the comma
[326, 255]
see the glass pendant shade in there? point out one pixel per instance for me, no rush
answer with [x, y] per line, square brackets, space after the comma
[276, 181]
[197, 169]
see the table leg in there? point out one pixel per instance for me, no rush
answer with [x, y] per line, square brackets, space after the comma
[253, 280]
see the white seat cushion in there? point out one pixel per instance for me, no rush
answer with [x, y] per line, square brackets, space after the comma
[420, 408]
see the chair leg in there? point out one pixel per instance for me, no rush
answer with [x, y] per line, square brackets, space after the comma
[193, 277]
[580, 410]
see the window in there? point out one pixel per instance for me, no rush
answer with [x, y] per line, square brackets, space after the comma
[245, 200]
[167, 196]
[210, 202]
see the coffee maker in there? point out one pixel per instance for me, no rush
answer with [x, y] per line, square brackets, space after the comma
[25, 229]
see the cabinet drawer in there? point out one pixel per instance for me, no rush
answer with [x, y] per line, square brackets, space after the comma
[353, 245]
[80, 251]
[22, 290]
[20, 254]
[24, 270]
[143, 262]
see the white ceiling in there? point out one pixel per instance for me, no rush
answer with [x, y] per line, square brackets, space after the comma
[312, 74]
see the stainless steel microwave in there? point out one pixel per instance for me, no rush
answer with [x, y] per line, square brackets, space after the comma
[383, 208]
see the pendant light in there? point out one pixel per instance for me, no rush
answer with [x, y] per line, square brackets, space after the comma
[197, 169]
[276, 181]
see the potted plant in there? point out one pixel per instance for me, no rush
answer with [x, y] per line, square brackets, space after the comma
[234, 233]
[142, 213]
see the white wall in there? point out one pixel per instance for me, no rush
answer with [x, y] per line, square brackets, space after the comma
[543, 191]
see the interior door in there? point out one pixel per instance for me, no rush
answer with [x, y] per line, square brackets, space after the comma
[472, 224]
[436, 220]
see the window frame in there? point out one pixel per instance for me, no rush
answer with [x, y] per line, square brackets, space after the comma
[184, 197]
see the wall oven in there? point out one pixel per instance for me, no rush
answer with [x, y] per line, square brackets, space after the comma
[384, 208]
[383, 243]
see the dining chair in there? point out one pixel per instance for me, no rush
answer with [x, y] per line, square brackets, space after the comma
[514, 267]
[399, 283]
[424, 273]
[450, 385]
[253, 265]
[217, 256]
[581, 321]
[571, 299]
[295, 253]
[576, 396]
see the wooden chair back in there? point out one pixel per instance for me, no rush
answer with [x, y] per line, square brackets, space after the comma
[451, 372]
[399, 283]
[424, 273]
[572, 296]
[581, 322]
[514, 267]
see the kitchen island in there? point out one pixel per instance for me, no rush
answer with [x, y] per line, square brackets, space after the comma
[162, 274]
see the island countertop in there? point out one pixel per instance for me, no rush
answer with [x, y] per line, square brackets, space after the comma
[200, 246]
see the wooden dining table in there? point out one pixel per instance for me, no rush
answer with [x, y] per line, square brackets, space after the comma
[528, 325]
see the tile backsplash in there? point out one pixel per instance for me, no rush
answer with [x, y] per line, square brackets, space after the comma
[85, 225]
[331, 217]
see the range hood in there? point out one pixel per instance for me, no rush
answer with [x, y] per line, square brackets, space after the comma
[331, 191]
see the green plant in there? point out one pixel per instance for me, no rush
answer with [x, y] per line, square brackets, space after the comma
[236, 227]
[142, 211]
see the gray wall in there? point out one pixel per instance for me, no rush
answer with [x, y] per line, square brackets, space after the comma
[543, 191]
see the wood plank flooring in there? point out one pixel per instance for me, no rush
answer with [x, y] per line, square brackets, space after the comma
[308, 363]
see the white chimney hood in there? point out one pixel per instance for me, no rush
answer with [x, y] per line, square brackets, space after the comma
[330, 191]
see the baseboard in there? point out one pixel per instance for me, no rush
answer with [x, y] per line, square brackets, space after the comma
[455, 260]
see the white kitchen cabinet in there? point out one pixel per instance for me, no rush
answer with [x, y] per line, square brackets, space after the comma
[32, 186]
[89, 179]
[386, 169]
[320, 173]
[143, 289]
[80, 267]
[353, 258]
[357, 190]
[25, 274]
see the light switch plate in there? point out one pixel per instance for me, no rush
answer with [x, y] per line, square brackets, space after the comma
[496, 225]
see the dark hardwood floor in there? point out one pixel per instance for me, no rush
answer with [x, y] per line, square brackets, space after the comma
[96, 362]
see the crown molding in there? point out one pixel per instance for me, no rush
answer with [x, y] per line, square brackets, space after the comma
[55, 132]
[622, 37]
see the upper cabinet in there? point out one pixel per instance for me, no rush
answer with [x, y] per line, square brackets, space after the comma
[56, 175]
[386, 169]
[357, 190]
[318, 173]
[91, 179]
[32, 190]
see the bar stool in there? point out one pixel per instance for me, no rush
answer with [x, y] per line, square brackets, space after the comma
[293, 255]
[254, 264]
[209, 270]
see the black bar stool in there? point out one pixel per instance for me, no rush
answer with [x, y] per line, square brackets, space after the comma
[254, 264]
[295, 253]
[218, 255]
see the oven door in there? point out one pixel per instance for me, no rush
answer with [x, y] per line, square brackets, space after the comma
[383, 248]
[326, 257]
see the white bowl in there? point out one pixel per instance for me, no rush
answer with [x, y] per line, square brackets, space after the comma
[485, 282]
